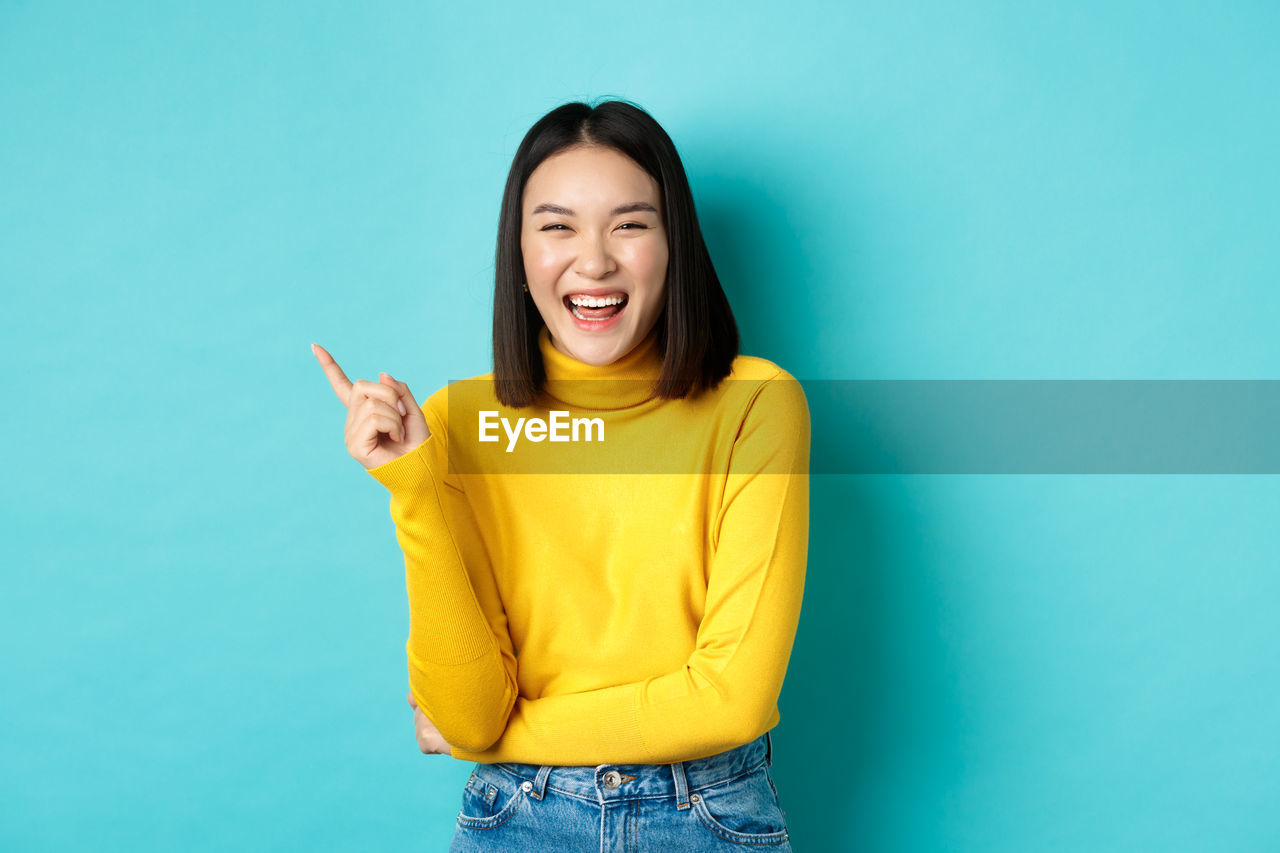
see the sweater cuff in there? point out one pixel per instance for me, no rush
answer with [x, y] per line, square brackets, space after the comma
[408, 472]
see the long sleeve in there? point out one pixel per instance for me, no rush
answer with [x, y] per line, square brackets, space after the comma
[462, 671]
[726, 692]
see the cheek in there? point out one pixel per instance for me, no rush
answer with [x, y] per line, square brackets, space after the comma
[534, 251]
[543, 262]
[649, 263]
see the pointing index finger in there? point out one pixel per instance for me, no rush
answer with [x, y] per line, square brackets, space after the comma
[341, 384]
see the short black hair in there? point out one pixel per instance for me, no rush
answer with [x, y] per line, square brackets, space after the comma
[697, 335]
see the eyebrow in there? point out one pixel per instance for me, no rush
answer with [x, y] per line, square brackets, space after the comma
[629, 207]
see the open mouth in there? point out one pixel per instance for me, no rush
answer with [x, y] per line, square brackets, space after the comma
[596, 309]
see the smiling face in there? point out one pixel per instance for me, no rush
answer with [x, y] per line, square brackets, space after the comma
[595, 251]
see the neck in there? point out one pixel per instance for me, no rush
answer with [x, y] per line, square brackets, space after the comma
[617, 385]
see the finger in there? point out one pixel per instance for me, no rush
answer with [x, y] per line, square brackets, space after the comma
[376, 391]
[370, 405]
[370, 417]
[385, 378]
[375, 422]
[337, 379]
[405, 394]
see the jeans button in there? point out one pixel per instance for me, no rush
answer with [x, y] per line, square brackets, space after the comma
[612, 779]
[526, 786]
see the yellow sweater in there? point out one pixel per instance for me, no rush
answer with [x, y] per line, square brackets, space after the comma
[632, 598]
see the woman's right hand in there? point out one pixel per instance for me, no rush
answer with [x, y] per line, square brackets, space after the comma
[384, 422]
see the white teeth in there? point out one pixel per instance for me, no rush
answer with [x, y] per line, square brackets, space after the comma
[595, 302]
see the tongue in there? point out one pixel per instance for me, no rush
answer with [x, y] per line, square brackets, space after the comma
[599, 313]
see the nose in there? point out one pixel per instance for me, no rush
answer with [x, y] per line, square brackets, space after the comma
[594, 261]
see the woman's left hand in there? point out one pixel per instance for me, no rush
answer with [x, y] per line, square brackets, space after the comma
[429, 739]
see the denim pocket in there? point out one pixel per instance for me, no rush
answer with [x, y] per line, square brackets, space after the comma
[743, 810]
[489, 800]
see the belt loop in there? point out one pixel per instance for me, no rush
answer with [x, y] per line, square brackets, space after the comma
[540, 781]
[768, 749]
[682, 785]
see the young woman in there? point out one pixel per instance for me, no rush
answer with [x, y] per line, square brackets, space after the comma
[605, 537]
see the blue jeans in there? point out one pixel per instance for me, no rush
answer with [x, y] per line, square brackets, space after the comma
[723, 802]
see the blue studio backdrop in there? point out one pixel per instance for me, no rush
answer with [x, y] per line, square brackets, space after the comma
[202, 601]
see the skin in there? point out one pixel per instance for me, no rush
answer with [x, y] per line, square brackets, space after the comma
[583, 244]
[429, 740]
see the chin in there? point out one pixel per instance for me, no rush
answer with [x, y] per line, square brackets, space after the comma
[597, 353]
[597, 350]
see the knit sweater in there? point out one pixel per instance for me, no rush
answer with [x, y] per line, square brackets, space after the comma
[628, 597]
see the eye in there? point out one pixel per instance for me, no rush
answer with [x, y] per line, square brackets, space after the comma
[553, 227]
[633, 225]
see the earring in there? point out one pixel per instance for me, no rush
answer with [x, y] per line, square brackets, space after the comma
[526, 287]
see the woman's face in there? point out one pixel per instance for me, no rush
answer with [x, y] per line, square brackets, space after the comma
[595, 251]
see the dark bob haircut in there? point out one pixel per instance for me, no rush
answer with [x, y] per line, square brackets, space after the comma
[697, 335]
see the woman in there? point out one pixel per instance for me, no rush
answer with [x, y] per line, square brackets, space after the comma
[600, 618]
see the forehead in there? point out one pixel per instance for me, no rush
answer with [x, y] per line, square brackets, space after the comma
[587, 178]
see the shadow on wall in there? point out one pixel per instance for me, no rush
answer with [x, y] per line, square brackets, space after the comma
[863, 696]
[866, 711]
[762, 269]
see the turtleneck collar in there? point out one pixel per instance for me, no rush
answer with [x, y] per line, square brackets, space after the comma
[626, 382]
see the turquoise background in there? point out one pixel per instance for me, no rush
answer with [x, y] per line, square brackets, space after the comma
[202, 601]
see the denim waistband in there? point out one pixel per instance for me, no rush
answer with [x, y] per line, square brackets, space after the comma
[605, 782]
